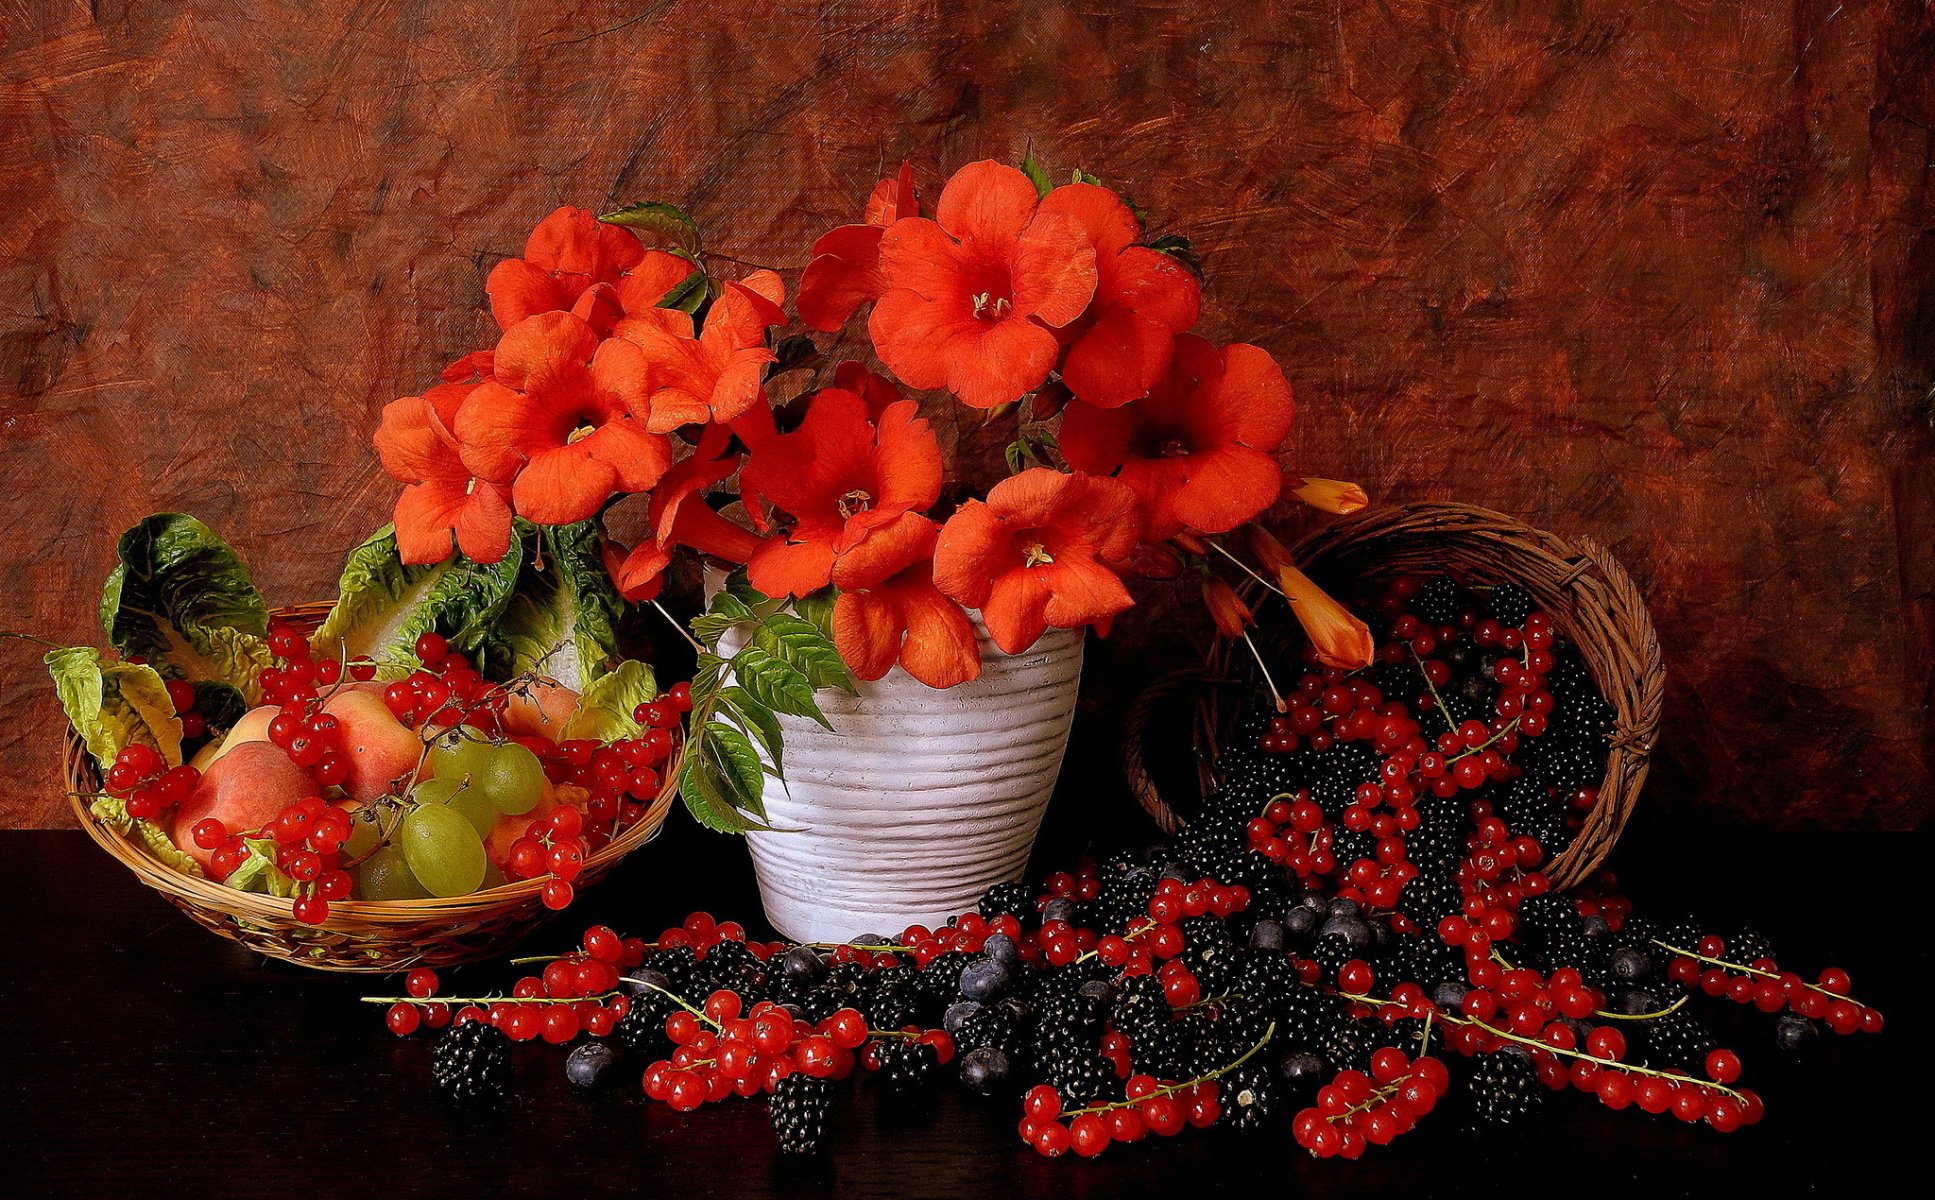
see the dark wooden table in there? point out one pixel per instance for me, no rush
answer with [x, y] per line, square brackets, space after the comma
[141, 1056]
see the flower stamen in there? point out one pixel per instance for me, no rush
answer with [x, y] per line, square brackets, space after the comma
[1036, 555]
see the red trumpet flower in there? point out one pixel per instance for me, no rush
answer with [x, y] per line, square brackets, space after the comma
[1199, 450]
[1036, 554]
[844, 272]
[890, 611]
[974, 293]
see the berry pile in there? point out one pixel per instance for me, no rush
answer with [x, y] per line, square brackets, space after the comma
[1354, 928]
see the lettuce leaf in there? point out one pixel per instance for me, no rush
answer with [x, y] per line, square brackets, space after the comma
[384, 604]
[563, 617]
[181, 599]
[605, 708]
[115, 704]
[112, 811]
[219, 704]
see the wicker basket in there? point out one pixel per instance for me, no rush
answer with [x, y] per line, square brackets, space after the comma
[362, 936]
[1590, 597]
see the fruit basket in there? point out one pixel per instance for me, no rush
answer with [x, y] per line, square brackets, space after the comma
[357, 936]
[1588, 595]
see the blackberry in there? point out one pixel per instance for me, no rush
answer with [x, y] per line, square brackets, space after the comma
[1504, 1088]
[907, 1066]
[1268, 979]
[1426, 960]
[1015, 900]
[799, 1110]
[1349, 1045]
[1085, 1079]
[1305, 1018]
[1068, 1028]
[1160, 1048]
[1216, 845]
[680, 968]
[1332, 952]
[888, 1008]
[1566, 762]
[1439, 841]
[940, 984]
[1510, 604]
[472, 1062]
[1139, 1003]
[1429, 899]
[1125, 897]
[1747, 945]
[1539, 915]
[1674, 1042]
[1248, 1096]
[1440, 600]
[1349, 845]
[642, 1028]
[990, 1025]
[1340, 769]
[1531, 808]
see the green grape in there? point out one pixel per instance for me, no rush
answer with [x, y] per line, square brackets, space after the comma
[512, 777]
[443, 850]
[455, 793]
[363, 835]
[385, 875]
[505, 772]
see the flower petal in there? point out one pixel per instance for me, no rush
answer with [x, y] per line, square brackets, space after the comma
[997, 363]
[973, 548]
[1054, 270]
[1016, 611]
[1105, 221]
[783, 568]
[940, 649]
[1118, 358]
[867, 631]
[988, 202]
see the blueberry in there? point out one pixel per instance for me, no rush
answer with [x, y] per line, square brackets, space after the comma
[590, 1064]
[1176, 872]
[1002, 947]
[958, 1012]
[1303, 1071]
[1098, 990]
[1354, 930]
[1267, 935]
[1637, 1003]
[872, 939]
[1340, 907]
[1450, 994]
[986, 1069]
[1300, 923]
[1595, 927]
[1061, 908]
[803, 965]
[1795, 1033]
[986, 979]
[644, 979]
[1630, 962]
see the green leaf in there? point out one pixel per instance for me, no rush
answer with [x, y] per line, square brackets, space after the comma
[385, 604]
[727, 611]
[776, 683]
[758, 721]
[219, 704]
[708, 675]
[181, 598]
[804, 646]
[258, 873]
[605, 709]
[704, 791]
[665, 221]
[817, 608]
[688, 295]
[793, 353]
[1081, 176]
[114, 704]
[1036, 173]
[739, 766]
[562, 617]
[1178, 248]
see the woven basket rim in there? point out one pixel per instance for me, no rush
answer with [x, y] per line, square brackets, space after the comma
[347, 915]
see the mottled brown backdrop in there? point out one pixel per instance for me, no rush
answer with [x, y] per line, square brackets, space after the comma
[1659, 272]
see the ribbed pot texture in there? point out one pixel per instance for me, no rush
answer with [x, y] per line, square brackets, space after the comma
[918, 800]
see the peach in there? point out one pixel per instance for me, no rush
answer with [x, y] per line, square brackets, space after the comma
[246, 789]
[379, 747]
[253, 727]
[541, 711]
[504, 834]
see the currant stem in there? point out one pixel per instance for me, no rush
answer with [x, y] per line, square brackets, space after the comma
[1170, 1089]
[1671, 1008]
[681, 1001]
[485, 1001]
[1746, 970]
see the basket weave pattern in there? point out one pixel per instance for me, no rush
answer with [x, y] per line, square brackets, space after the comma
[360, 936]
[1575, 580]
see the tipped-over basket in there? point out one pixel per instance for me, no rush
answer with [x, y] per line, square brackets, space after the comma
[1574, 579]
[361, 936]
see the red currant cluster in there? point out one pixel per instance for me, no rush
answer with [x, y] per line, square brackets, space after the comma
[722, 1050]
[298, 678]
[1151, 1106]
[308, 837]
[444, 690]
[1765, 986]
[575, 993]
[1357, 1109]
[556, 845]
[145, 782]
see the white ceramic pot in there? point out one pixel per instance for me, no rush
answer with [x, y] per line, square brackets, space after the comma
[918, 800]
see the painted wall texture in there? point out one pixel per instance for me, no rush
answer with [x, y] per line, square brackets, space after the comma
[1657, 272]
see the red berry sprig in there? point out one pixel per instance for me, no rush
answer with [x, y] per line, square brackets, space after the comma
[1355, 1110]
